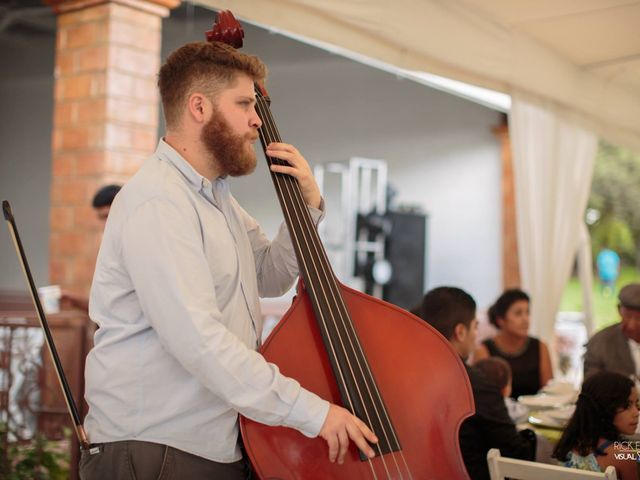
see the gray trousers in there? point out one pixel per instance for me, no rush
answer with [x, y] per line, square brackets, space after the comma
[135, 460]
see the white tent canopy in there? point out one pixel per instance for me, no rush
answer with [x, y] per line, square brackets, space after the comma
[581, 55]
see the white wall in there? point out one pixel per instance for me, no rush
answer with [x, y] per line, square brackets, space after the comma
[461, 191]
[440, 149]
[441, 154]
[26, 106]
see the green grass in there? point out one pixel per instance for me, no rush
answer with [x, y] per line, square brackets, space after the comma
[605, 309]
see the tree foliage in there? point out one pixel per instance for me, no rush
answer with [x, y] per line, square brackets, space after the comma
[615, 194]
[38, 459]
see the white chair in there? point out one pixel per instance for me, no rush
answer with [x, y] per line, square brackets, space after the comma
[501, 468]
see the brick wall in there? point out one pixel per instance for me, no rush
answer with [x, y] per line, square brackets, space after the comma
[105, 118]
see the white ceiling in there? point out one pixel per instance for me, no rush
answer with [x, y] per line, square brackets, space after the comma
[600, 36]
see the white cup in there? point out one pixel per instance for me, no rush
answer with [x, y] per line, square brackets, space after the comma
[50, 298]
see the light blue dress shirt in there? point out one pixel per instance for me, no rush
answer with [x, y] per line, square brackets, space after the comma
[175, 294]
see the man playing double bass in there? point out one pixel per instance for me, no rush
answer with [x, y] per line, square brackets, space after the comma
[176, 287]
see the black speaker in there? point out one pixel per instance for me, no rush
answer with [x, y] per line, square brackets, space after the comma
[406, 250]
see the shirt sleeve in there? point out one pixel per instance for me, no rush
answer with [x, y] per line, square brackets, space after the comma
[276, 262]
[163, 253]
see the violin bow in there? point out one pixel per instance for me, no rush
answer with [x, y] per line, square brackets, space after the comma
[62, 379]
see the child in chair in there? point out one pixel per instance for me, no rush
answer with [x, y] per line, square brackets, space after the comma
[607, 409]
[498, 372]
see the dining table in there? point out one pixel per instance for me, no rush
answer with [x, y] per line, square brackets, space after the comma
[549, 412]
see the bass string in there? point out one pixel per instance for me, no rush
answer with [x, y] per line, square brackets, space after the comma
[295, 200]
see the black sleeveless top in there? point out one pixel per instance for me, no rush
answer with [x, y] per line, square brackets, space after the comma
[525, 366]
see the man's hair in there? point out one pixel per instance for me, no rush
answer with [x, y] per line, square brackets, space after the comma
[445, 307]
[104, 197]
[496, 370]
[204, 67]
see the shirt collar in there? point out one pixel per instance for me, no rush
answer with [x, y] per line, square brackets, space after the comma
[167, 152]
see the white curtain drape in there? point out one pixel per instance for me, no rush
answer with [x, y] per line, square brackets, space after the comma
[553, 160]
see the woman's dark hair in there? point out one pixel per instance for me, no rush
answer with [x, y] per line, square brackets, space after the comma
[503, 303]
[602, 395]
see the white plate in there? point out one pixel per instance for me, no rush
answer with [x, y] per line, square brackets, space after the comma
[543, 419]
[562, 414]
[559, 388]
[542, 400]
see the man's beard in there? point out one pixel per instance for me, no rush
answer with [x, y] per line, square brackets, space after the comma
[229, 152]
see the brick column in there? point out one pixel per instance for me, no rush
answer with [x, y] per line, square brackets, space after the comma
[105, 118]
[510, 262]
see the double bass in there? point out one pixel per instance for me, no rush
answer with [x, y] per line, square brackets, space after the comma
[391, 369]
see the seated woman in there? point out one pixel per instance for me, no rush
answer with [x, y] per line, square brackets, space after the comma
[527, 356]
[607, 408]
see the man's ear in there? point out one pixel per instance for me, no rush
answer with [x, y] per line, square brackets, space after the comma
[459, 332]
[197, 106]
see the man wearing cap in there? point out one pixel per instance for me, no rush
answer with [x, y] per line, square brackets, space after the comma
[101, 204]
[617, 348]
[103, 199]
